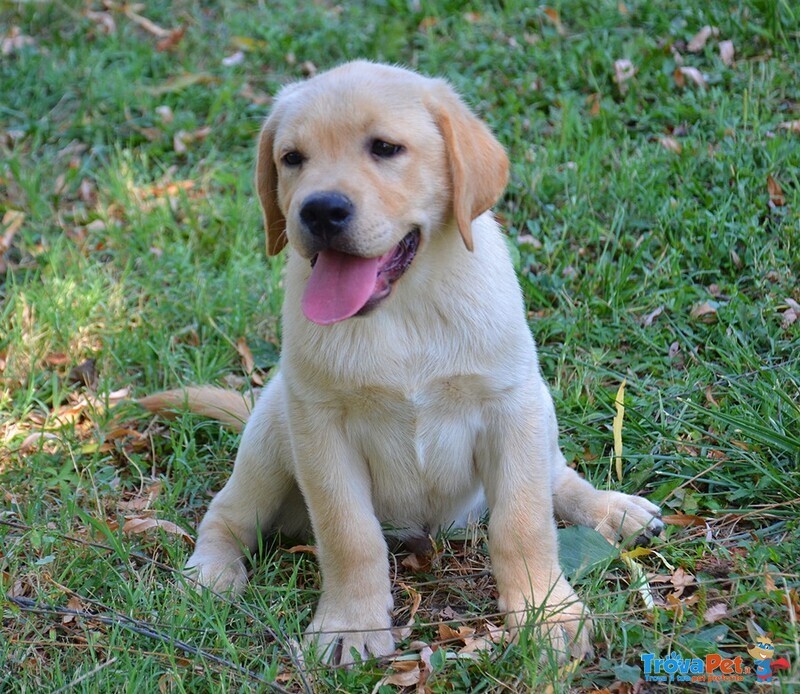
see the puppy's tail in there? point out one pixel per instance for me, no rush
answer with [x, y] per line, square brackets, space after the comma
[227, 406]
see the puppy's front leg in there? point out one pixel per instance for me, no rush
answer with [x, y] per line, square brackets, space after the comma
[516, 473]
[353, 615]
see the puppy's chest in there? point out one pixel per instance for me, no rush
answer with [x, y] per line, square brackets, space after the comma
[419, 446]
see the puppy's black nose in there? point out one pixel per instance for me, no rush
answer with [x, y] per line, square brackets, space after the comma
[326, 214]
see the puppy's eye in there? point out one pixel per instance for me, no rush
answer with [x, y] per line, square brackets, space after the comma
[385, 150]
[293, 158]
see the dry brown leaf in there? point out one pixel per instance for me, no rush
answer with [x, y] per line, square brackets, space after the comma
[406, 673]
[791, 314]
[555, 19]
[143, 501]
[699, 40]
[622, 8]
[681, 580]
[138, 524]
[14, 40]
[685, 520]
[594, 101]
[647, 321]
[793, 126]
[715, 613]
[104, 21]
[248, 362]
[182, 139]
[692, 74]
[624, 70]
[165, 114]
[304, 549]
[38, 439]
[705, 312]
[726, 52]
[74, 603]
[776, 196]
[448, 634]
[172, 39]
[256, 96]
[12, 222]
[671, 144]
[403, 632]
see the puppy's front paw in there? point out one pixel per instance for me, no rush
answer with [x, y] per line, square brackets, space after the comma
[626, 517]
[561, 619]
[220, 574]
[344, 631]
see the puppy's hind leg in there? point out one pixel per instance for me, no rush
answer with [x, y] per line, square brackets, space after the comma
[615, 515]
[256, 492]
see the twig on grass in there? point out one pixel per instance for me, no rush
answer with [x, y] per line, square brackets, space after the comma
[125, 622]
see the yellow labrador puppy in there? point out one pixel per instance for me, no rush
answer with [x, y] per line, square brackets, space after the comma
[409, 393]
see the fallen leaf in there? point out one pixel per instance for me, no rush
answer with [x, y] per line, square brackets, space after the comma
[555, 19]
[776, 196]
[710, 397]
[699, 40]
[681, 580]
[245, 43]
[406, 674]
[84, 374]
[715, 613]
[171, 40]
[674, 348]
[594, 100]
[726, 52]
[793, 126]
[104, 21]
[671, 144]
[684, 520]
[256, 96]
[619, 402]
[448, 634]
[36, 441]
[647, 321]
[302, 549]
[75, 604]
[623, 71]
[791, 314]
[12, 223]
[137, 524]
[705, 312]
[401, 633]
[14, 40]
[691, 73]
[182, 81]
[233, 59]
[165, 114]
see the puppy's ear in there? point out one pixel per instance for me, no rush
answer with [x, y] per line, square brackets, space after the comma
[477, 161]
[267, 188]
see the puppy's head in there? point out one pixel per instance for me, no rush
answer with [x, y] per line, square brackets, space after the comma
[358, 167]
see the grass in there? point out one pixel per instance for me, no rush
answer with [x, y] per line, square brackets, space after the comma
[134, 241]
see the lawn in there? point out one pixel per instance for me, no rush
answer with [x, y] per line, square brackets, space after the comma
[654, 218]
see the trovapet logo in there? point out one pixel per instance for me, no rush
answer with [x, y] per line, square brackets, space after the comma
[712, 668]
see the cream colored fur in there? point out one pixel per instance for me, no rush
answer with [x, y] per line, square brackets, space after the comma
[425, 410]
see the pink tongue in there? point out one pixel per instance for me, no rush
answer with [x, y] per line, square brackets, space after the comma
[339, 286]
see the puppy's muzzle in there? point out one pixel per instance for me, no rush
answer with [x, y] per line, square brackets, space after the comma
[326, 215]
